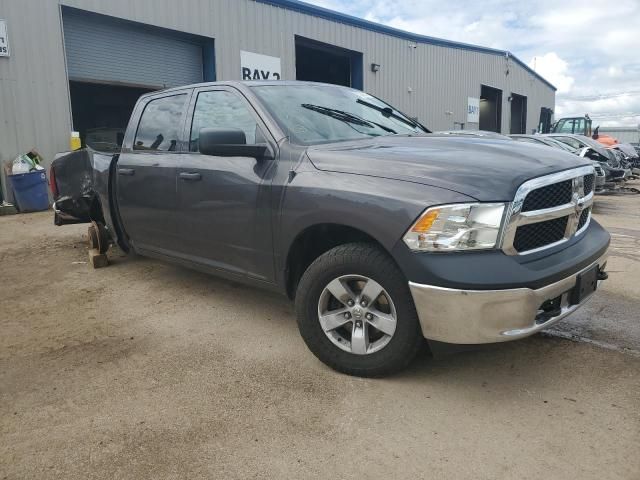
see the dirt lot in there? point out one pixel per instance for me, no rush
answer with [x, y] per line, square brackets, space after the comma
[146, 370]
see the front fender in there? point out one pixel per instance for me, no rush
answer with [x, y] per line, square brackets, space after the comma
[382, 208]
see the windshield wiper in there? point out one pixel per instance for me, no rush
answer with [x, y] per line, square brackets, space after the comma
[346, 117]
[388, 112]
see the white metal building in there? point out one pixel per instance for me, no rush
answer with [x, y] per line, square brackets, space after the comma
[81, 64]
[623, 134]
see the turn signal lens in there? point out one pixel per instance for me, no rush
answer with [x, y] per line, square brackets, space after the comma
[466, 226]
[425, 222]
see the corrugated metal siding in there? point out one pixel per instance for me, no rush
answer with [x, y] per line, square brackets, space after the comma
[100, 49]
[623, 134]
[427, 81]
[34, 101]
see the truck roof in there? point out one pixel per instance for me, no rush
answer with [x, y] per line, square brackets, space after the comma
[241, 84]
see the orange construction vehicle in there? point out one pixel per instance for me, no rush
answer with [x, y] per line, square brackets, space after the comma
[579, 126]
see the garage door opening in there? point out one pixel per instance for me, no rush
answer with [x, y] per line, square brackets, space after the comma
[111, 62]
[518, 114]
[321, 62]
[490, 109]
[101, 112]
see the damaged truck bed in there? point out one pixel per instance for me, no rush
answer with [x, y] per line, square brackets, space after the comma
[81, 188]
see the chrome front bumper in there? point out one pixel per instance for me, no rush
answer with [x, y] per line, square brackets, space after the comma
[488, 316]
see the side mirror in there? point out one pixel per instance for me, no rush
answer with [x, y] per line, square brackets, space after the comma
[229, 142]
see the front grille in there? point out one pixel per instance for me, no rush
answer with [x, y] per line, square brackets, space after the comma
[584, 218]
[549, 196]
[549, 210]
[588, 183]
[536, 235]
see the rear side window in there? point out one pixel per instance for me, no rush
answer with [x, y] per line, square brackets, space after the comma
[221, 109]
[159, 125]
[570, 141]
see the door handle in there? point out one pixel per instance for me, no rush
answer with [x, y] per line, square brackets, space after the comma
[126, 171]
[191, 177]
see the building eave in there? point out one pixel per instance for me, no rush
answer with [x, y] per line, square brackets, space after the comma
[322, 12]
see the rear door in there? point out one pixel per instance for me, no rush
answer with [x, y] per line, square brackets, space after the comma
[224, 219]
[146, 172]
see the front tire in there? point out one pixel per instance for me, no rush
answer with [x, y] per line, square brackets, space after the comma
[355, 312]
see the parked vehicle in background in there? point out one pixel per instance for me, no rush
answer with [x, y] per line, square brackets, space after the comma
[630, 154]
[382, 234]
[573, 125]
[580, 126]
[544, 140]
[587, 152]
[580, 141]
[624, 161]
[615, 171]
[604, 139]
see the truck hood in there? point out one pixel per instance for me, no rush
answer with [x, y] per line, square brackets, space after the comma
[482, 168]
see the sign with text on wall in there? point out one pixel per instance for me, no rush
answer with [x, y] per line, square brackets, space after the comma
[4, 41]
[473, 110]
[255, 66]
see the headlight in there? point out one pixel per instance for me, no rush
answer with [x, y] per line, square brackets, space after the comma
[464, 226]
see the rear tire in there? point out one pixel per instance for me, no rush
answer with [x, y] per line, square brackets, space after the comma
[349, 269]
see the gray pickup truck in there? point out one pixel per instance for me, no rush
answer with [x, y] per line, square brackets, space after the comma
[382, 233]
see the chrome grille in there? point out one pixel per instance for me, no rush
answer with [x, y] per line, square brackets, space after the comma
[589, 180]
[584, 218]
[536, 235]
[549, 210]
[549, 196]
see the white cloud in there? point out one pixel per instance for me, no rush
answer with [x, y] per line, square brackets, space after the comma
[554, 69]
[589, 52]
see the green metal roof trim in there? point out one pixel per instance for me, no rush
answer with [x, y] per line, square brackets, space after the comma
[307, 8]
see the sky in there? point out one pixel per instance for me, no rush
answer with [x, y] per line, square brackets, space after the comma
[589, 50]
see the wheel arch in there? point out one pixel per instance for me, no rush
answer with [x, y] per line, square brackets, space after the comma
[96, 212]
[315, 240]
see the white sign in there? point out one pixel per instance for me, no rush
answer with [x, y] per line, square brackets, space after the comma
[4, 41]
[259, 67]
[473, 110]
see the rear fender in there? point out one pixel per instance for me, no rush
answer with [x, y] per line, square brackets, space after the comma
[73, 191]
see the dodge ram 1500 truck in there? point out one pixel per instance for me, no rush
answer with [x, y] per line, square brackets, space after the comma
[382, 233]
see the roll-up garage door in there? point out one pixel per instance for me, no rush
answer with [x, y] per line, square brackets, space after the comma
[106, 50]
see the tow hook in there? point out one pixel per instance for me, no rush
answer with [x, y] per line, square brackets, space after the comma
[602, 275]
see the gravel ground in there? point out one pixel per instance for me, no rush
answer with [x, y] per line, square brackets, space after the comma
[612, 318]
[147, 370]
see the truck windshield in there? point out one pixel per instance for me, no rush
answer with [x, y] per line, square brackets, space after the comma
[316, 114]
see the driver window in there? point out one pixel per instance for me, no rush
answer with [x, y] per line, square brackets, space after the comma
[221, 109]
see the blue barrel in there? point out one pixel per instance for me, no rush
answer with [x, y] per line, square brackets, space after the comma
[30, 191]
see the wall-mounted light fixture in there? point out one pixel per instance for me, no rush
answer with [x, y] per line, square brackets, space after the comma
[375, 68]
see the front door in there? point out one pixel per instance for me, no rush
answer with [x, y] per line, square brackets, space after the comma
[224, 202]
[146, 175]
